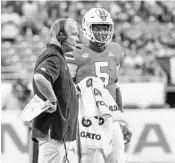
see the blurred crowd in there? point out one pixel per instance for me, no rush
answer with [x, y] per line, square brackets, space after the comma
[145, 30]
[17, 97]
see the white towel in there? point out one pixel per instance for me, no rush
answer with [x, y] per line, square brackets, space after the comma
[94, 135]
[95, 101]
[97, 94]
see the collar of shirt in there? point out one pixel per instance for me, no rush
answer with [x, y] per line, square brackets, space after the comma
[56, 47]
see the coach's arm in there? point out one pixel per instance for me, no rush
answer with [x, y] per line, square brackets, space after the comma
[45, 87]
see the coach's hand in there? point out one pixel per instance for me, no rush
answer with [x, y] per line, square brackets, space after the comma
[52, 108]
[127, 134]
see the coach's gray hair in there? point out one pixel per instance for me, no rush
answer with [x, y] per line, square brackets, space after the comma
[55, 28]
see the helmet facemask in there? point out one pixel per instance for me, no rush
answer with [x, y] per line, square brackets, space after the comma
[102, 33]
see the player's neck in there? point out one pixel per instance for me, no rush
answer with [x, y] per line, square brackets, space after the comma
[96, 48]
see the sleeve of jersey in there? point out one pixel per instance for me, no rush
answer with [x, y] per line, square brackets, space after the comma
[71, 63]
[119, 52]
[50, 68]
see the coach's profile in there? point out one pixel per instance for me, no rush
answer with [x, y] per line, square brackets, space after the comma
[52, 83]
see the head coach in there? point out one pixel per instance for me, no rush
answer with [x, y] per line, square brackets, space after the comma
[52, 82]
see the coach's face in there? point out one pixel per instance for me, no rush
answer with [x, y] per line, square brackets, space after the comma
[72, 32]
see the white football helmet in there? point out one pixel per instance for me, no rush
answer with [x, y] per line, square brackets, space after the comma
[97, 16]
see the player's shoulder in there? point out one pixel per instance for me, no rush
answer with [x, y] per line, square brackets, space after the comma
[75, 55]
[75, 51]
[80, 48]
[117, 50]
[79, 51]
[114, 47]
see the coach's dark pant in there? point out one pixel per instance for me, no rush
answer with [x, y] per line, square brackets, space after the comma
[35, 153]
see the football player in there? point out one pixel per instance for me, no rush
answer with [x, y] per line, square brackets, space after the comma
[100, 58]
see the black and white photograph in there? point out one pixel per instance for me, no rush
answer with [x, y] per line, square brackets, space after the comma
[88, 81]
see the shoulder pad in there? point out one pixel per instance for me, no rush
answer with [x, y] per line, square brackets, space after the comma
[78, 52]
[117, 50]
[114, 46]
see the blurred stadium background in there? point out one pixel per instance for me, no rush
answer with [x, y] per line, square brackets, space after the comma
[145, 30]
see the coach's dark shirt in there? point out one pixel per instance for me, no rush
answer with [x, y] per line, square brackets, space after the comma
[52, 65]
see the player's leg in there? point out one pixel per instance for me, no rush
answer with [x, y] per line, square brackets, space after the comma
[117, 155]
[71, 148]
[87, 155]
[91, 156]
[50, 151]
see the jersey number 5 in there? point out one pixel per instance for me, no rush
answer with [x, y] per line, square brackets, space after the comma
[104, 76]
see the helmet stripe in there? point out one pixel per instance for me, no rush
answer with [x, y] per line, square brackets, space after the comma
[103, 15]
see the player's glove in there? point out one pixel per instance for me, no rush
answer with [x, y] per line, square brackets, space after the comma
[126, 133]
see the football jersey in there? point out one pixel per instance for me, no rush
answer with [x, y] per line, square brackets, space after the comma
[97, 64]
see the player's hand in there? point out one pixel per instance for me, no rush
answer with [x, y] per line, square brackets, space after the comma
[127, 134]
[52, 106]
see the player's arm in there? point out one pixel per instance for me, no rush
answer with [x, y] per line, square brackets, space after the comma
[119, 59]
[124, 126]
[118, 93]
[119, 99]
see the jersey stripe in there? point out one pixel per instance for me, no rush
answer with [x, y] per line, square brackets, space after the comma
[69, 58]
[69, 54]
